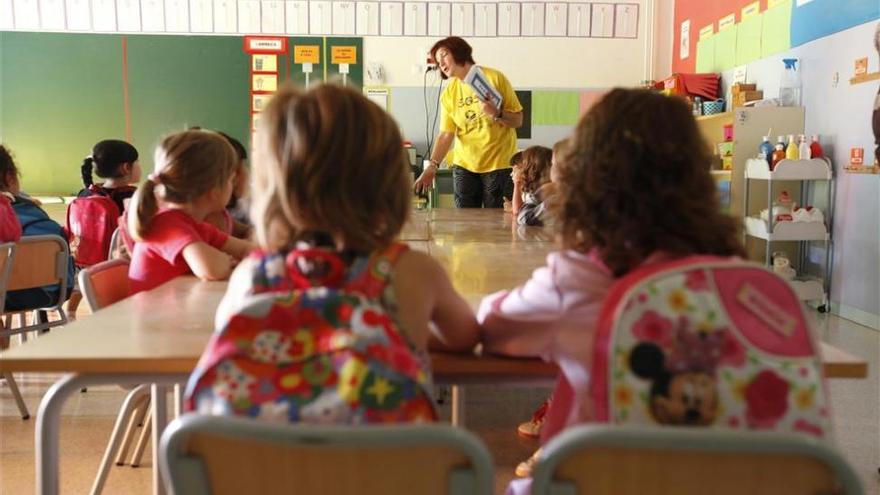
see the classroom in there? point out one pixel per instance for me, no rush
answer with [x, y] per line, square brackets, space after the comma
[592, 246]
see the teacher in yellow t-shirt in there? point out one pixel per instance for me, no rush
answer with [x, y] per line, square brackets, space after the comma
[484, 130]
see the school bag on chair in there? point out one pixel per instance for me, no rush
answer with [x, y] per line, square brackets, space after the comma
[708, 342]
[315, 344]
[91, 221]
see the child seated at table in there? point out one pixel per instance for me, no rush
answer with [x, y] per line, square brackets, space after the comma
[330, 320]
[532, 173]
[193, 177]
[631, 193]
[31, 220]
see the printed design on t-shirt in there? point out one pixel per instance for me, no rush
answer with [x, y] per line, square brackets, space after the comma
[469, 107]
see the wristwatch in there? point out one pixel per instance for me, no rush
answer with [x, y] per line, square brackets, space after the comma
[435, 163]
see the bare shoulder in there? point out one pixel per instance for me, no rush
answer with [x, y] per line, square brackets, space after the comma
[418, 266]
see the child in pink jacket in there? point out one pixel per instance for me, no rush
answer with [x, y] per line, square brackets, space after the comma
[630, 193]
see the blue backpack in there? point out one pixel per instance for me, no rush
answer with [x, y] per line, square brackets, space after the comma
[35, 221]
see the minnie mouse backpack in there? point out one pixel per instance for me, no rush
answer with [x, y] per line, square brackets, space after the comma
[708, 342]
[315, 344]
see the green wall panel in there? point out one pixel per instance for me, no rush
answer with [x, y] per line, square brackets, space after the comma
[59, 95]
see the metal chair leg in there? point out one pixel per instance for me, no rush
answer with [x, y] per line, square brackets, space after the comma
[22, 408]
[137, 419]
[126, 416]
[142, 441]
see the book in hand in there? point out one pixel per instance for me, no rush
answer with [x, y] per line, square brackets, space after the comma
[476, 78]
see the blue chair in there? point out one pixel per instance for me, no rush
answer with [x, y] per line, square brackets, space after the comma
[603, 459]
[231, 455]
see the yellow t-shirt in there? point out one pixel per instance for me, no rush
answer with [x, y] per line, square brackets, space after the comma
[480, 144]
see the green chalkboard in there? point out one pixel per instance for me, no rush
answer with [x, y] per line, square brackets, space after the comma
[59, 95]
[62, 93]
[177, 82]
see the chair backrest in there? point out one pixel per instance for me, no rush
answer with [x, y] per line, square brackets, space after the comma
[105, 283]
[607, 459]
[40, 260]
[7, 257]
[232, 455]
[114, 244]
[708, 342]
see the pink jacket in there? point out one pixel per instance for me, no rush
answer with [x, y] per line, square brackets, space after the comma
[553, 316]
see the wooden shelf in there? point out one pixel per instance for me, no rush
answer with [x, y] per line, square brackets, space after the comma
[720, 116]
[864, 78]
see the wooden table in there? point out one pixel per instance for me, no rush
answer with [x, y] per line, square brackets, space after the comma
[157, 336]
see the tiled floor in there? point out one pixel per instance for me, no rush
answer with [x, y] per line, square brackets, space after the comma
[492, 412]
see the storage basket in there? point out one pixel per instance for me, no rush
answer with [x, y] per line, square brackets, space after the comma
[713, 107]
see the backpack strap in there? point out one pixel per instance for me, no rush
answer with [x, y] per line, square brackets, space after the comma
[371, 277]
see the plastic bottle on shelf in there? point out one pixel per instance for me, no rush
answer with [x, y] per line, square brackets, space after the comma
[790, 84]
[816, 148]
[791, 151]
[778, 154]
[765, 150]
[804, 148]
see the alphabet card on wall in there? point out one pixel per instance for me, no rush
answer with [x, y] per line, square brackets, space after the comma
[26, 14]
[485, 19]
[367, 19]
[602, 20]
[272, 16]
[439, 19]
[177, 16]
[391, 17]
[532, 19]
[508, 19]
[153, 15]
[320, 18]
[104, 15]
[626, 20]
[344, 15]
[225, 16]
[201, 15]
[52, 14]
[248, 16]
[415, 18]
[556, 19]
[463, 19]
[296, 17]
[579, 20]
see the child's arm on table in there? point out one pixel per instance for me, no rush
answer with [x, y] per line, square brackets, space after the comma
[425, 295]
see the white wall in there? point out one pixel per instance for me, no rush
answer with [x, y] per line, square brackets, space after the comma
[841, 114]
[527, 62]
[664, 14]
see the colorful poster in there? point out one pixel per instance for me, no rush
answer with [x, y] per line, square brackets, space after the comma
[343, 55]
[707, 31]
[684, 46]
[776, 29]
[264, 63]
[307, 54]
[706, 55]
[726, 22]
[750, 10]
[748, 40]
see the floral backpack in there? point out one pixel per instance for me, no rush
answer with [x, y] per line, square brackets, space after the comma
[710, 342]
[315, 344]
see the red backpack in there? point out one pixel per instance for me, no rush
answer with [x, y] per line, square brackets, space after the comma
[91, 221]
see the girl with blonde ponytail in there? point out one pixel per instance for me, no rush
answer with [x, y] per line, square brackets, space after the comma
[193, 177]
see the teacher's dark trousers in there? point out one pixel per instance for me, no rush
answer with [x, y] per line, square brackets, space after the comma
[487, 190]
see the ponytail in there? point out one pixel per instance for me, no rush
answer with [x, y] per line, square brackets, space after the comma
[141, 210]
[86, 171]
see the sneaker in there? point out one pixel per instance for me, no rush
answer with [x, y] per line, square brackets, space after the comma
[532, 427]
[525, 468]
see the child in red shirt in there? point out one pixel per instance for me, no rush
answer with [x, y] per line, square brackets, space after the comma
[193, 177]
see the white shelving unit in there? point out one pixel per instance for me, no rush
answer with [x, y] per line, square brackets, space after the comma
[816, 169]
